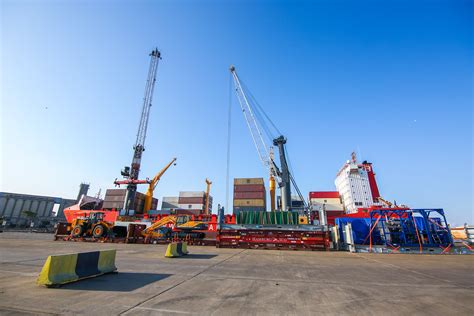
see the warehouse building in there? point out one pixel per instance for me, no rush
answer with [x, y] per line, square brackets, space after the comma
[13, 208]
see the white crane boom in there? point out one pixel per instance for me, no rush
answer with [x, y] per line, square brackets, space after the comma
[255, 132]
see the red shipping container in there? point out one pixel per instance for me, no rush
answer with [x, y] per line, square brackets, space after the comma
[249, 195]
[249, 188]
[324, 194]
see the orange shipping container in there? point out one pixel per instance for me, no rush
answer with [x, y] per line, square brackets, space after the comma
[244, 181]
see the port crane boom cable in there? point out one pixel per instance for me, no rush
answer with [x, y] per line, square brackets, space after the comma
[229, 126]
[260, 116]
[260, 108]
[255, 131]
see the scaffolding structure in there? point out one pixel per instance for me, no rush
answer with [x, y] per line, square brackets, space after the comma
[423, 228]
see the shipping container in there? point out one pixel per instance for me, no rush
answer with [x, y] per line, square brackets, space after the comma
[114, 198]
[240, 181]
[191, 194]
[166, 205]
[120, 192]
[191, 200]
[191, 206]
[169, 202]
[249, 195]
[327, 207]
[111, 205]
[154, 204]
[296, 202]
[170, 199]
[249, 188]
[324, 194]
[325, 200]
[249, 202]
[140, 196]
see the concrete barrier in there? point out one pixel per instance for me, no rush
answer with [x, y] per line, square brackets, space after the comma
[176, 249]
[62, 269]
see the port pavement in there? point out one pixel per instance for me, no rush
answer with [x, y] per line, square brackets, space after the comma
[236, 282]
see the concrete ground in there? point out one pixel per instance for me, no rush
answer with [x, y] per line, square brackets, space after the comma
[236, 282]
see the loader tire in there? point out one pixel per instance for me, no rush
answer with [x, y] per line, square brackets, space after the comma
[77, 231]
[98, 231]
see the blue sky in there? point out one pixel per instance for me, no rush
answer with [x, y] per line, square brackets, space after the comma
[391, 81]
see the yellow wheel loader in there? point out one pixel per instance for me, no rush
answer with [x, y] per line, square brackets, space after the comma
[91, 225]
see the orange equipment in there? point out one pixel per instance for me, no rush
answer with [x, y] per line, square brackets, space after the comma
[206, 200]
[152, 186]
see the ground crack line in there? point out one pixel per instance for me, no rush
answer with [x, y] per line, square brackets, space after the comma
[178, 284]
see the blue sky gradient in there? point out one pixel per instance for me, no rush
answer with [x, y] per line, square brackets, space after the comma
[391, 80]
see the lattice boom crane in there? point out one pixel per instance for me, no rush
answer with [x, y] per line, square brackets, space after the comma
[266, 155]
[131, 173]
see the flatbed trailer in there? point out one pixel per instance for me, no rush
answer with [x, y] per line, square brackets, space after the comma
[304, 237]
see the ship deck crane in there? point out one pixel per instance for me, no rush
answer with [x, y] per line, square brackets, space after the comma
[152, 185]
[255, 118]
[131, 173]
[208, 190]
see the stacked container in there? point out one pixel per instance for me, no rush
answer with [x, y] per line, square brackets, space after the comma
[297, 204]
[249, 195]
[169, 203]
[115, 198]
[330, 201]
[193, 202]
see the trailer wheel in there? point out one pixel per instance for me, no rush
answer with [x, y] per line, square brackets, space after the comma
[77, 231]
[98, 231]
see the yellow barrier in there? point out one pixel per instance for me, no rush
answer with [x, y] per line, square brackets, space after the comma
[176, 249]
[62, 269]
[184, 248]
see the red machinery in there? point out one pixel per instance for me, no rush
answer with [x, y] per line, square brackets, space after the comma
[273, 238]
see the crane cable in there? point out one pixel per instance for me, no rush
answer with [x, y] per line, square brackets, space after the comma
[229, 125]
[293, 179]
[262, 115]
